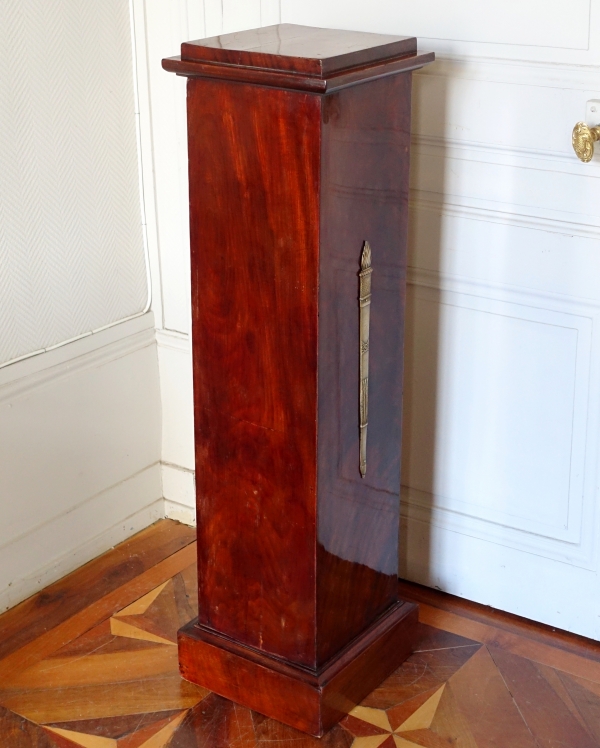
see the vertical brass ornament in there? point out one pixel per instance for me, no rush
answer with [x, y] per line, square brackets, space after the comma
[364, 301]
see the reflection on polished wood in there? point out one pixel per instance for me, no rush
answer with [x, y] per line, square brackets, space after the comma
[491, 681]
[299, 49]
[298, 144]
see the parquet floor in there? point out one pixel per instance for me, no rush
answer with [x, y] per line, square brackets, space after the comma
[92, 661]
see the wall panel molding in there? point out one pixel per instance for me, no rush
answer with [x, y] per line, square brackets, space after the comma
[488, 212]
[75, 431]
[179, 341]
[519, 72]
[78, 536]
[517, 294]
[530, 30]
[79, 454]
[71, 245]
[26, 376]
[571, 543]
[175, 368]
[505, 155]
[179, 491]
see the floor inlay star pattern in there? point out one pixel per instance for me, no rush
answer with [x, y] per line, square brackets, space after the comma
[117, 685]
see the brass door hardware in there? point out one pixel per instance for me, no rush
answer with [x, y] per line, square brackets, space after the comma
[584, 138]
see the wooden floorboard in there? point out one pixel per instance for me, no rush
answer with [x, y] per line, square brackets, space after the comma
[63, 599]
[536, 632]
[103, 672]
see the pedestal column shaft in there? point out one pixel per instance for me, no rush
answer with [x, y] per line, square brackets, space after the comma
[297, 551]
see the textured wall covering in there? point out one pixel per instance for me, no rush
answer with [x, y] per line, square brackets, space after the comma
[71, 246]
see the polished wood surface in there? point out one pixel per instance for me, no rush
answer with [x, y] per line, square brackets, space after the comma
[492, 681]
[59, 602]
[298, 81]
[255, 360]
[279, 212]
[297, 551]
[310, 701]
[300, 49]
[506, 624]
[49, 638]
[561, 650]
[365, 145]
[254, 186]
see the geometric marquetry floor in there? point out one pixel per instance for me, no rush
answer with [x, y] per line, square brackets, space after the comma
[92, 662]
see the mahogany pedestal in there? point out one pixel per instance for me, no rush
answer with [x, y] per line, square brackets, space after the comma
[298, 142]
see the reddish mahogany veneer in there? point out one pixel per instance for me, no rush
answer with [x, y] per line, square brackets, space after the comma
[299, 49]
[311, 701]
[298, 143]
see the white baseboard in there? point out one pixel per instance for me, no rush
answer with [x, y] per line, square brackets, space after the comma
[80, 452]
[180, 513]
[177, 452]
[176, 391]
[98, 524]
[179, 491]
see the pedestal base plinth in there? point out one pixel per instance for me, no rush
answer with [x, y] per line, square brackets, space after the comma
[311, 701]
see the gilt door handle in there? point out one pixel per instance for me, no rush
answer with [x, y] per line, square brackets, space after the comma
[584, 138]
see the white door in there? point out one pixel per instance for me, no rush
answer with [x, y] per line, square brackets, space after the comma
[501, 407]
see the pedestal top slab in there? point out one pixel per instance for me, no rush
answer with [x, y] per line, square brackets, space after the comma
[299, 49]
[298, 57]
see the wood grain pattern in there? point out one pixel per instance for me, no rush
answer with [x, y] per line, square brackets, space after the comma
[423, 672]
[254, 239]
[449, 724]
[161, 738]
[364, 196]
[60, 601]
[481, 695]
[486, 696]
[130, 731]
[87, 741]
[120, 627]
[294, 81]
[585, 698]
[217, 723]
[546, 654]
[54, 638]
[299, 49]
[241, 680]
[256, 358]
[18, 732]
[546, 714]
[268, 731]
[311, 702]
[529, 630]
[297, 554]
[94, 702]
[64, 672]
[141, 606]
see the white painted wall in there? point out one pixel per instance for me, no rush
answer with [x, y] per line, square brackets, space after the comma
[159, 29]
[501, 407]
[79, 454]
[79, 392]
[71, 240]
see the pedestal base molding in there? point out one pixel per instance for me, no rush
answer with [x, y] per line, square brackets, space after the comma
[311, 701]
